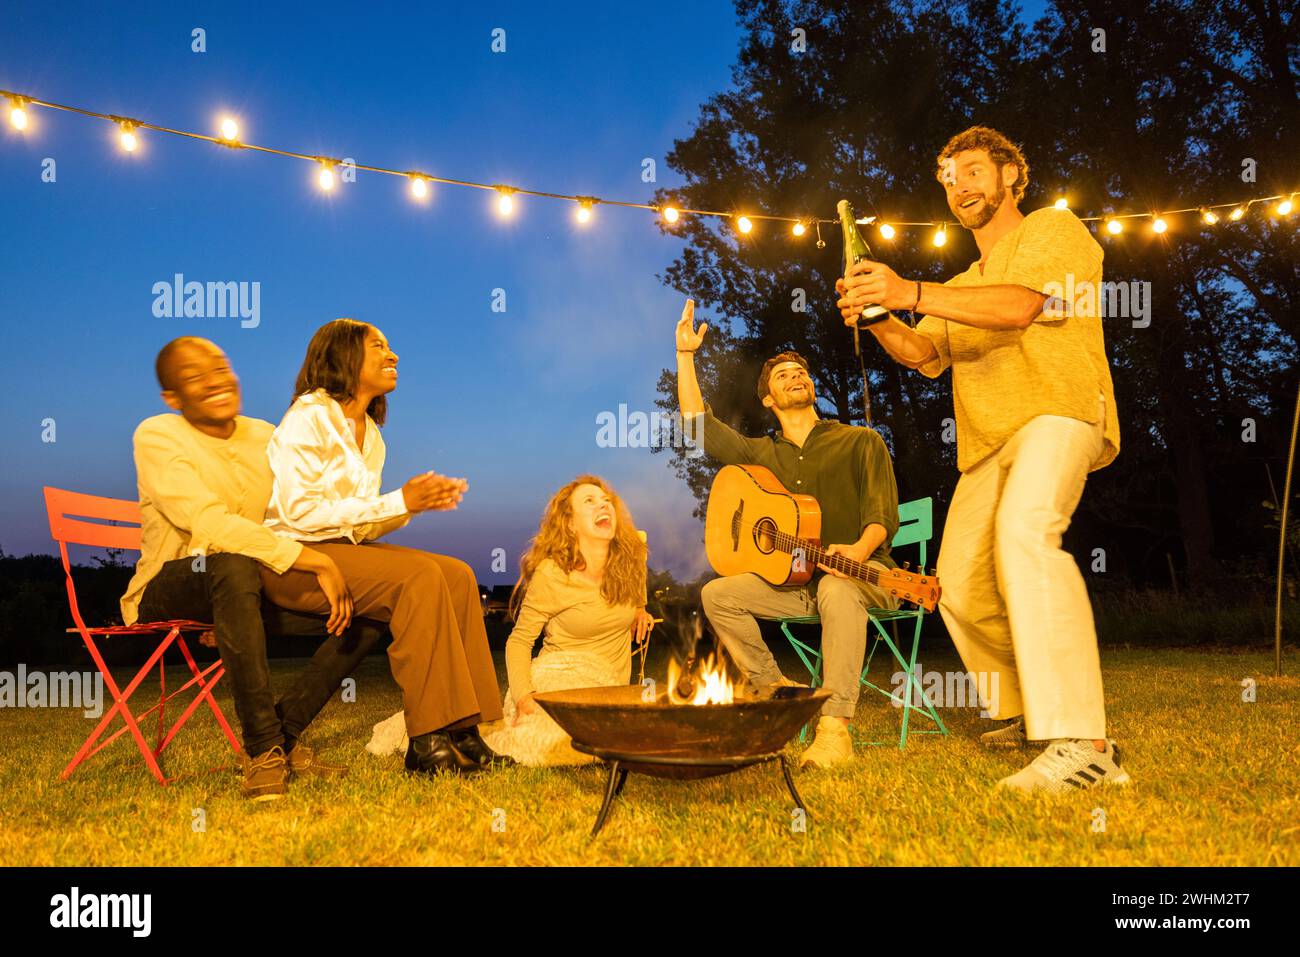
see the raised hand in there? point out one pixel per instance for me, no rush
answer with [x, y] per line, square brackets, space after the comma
[688, 339]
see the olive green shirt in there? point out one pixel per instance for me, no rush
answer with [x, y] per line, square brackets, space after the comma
[1002, 378]
[846, 468]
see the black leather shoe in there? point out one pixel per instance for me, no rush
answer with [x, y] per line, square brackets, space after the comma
[471, 744]
[433, 751]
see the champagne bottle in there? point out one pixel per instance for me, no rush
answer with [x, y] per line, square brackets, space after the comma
[855, 250]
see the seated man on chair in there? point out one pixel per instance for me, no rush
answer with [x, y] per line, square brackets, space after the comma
[204, 481]
[848, 471]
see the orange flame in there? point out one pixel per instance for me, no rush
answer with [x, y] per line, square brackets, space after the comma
[712, 684]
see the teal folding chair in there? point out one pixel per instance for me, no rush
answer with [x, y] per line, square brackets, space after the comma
[915, 527]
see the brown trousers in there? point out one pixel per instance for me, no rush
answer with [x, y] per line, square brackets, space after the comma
[439, 655]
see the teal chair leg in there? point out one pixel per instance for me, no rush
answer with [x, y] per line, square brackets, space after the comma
[814, 670]
[911, 691]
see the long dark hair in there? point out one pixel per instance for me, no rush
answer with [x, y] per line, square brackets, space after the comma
[333, 363]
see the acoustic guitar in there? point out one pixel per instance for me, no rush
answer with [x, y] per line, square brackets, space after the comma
[754, 524]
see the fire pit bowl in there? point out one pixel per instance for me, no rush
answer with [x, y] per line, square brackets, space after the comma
[684, 741]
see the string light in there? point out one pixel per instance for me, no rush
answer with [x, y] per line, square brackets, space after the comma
[17, 113]
[228, 133]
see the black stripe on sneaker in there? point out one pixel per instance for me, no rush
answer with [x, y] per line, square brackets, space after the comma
[1086, 776]
[1074, 783]
[1100, 771]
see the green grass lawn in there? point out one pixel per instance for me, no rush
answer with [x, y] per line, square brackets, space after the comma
[1215, 782]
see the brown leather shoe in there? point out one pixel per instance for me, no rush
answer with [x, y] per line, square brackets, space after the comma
[303, 761]
[266, 777]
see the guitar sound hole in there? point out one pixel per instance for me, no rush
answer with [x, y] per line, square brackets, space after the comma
[765, 536]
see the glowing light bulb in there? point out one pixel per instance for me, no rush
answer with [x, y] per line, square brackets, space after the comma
[940, 237]
[326, 178]
[1114, 227]
[886, 231]
[505, 204]
[798, 229]
[583, 215]
[1158, 225]
[1284, 207]
[1209, 217]
[419, 187]
[128, 139]
[670, 214]
[229, 130]
[1237, 213]
[743, 224]
[1061, 203]
[18, 115]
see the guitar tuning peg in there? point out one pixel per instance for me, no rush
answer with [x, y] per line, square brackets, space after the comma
[907, 566]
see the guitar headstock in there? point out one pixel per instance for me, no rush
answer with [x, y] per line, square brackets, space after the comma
[916, 586]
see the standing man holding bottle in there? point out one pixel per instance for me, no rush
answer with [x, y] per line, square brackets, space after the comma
[1035, 413]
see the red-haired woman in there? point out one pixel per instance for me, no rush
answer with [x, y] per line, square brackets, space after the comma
[582, 586]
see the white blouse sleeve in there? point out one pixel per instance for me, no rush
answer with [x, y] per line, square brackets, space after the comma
[312, 493]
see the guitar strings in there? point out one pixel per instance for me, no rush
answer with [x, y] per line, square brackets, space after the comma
[868, 572]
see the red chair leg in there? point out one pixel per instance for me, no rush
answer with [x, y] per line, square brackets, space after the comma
[162, 701]
[120, 699]
[212, 703]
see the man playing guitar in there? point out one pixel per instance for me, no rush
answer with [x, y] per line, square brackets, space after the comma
[847, 469]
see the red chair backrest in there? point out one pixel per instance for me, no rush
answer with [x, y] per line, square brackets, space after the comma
[61, 505]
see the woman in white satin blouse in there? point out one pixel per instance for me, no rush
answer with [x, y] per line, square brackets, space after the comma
[327, 458]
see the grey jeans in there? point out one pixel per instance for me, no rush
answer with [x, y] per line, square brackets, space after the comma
[731, 604]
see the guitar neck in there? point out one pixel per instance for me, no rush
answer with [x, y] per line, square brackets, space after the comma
[816, 554]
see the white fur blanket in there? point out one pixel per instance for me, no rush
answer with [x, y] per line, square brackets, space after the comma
[533, 739]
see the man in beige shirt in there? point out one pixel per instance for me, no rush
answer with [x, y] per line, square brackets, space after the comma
[204, 481]
[1035, 413]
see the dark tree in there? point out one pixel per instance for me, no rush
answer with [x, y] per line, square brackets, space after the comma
[1156, 113]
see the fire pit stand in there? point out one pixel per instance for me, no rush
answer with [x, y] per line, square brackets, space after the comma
[621, 764]
[662, 738]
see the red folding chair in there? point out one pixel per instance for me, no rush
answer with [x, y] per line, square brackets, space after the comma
[61, 505]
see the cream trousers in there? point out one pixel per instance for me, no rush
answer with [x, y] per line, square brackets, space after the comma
[1014, 601]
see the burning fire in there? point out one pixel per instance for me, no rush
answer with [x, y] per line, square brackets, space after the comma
[712, 685]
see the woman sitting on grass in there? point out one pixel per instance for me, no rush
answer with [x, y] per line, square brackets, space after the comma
[582, 585]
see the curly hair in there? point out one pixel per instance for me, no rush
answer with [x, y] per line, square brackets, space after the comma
[625, 567]
[1000, 149]
[333, 363]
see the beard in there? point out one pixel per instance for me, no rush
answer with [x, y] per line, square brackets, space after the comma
[984, 214]
[786, 402]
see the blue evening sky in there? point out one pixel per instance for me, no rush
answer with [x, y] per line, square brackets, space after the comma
[508, 400]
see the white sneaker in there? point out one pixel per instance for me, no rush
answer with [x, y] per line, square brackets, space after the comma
[1067, 765]
[1006, 738]
[832, 746]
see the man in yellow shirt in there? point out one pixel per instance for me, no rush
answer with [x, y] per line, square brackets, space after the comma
[1035, 413]
[204, 481]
